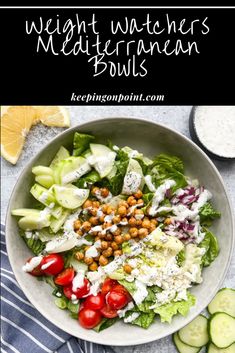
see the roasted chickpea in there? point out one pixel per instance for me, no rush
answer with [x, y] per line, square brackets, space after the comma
[88, 260]
[94, 220]
[109, 236]
[116, 219]
[124, 220]
[117, 253]
[101, 235]
[152, 227]
[118, 239]
[96, 204]
[117, 232]
[97, 238]
[93, 211]
[138, 194]
[96, 258]
[77, 224]
[108, 252]
[79, 255]
[103, 260]
[107, 225]
[154, 221]
[126, 237]
[104, 208]
[79, 232]
[101, 219]
[109, 210]
[142, 232]
[132, 221]
[146, 223]
[104, 192]
[86, 226]
[138, 223]
[133, 232]
[130, 200]
[127, 268]
[122, 211]
[114, 245]
[87, 203]
[140, 202]
[104, 245]
[139, 212]
[93, 266]
[94, 190]
[123, 203]
[167, 221]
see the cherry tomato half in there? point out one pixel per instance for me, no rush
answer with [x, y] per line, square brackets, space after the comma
[108, 312]
[89, 318]
[95, 302]
[65, 277]
[116, 299]
[37, 271]
[52, 264]
[108, 285]
[80, 292]
[123, 290]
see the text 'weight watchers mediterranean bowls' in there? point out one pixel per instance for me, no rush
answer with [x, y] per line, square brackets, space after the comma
[117, 235]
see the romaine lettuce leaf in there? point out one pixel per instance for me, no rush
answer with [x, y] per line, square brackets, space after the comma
[169, 162]
[115, 183]
[81, 143]
[167, 311]
[207, 214]
[210, 244]
[144, 320]
[180, 257]
[105, 323]
[92, 177]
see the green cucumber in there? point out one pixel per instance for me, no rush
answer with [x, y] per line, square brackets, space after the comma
[22, 212]
[182, 347]
[213, 349]
[43, 195]
[195, 333]
[60, 155]
[61, 303]
[41, 170]
[224, 301]
[134, 178]
[32, 222]
[72, 169]
[78, 266]
[57, 211]
[102, 159]
[45, 180]
[222, 330]
[70, 196]
[74, 308]
[56, 224]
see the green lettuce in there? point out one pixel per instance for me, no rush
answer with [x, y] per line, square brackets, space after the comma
[81, 143]
[167, 311]
[91, 178]
[210, 244]
[207, 214]
[180, 257]
[105, 323]
[144, 320]
[34, 244]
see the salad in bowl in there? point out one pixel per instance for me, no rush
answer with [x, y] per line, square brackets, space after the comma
[119, 236]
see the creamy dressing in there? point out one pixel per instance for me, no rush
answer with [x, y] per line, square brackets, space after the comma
[43, 197]
[48, 264]
[103, 199]
[141, 292]
[32, 264]
[148, 181]
[78, 281]
[76, 174]
[131, 318]
[131, 183]
[92, 252]
[101, 163]
[122, 312]
[159, 195]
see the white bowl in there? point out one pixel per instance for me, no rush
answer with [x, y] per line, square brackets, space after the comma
[151, 139]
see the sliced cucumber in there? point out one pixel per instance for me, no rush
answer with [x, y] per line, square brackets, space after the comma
[61, 243]
[22, 212]
[195, 333]
[78, 266]
[182, 347]
[224, 301]
[60, 155]
[41, 170]
[222, 330]
[74, 308]
[57, 172]
[112, 173]
[70, 196]
[45, 180]
[45, 235]
[213, 349]
[134, 178]
[32, 222]
[43, 195]
[102, 159]
[73, 168]
[57, 211]
[56, 224]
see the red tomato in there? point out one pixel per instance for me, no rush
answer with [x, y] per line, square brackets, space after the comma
[108, 285]
[55, 263]
[89, 318]
[123, 290]
[95, 302]
[65, 277]
[116, 300]
[37, 271]
[108, 312]
[80, 292]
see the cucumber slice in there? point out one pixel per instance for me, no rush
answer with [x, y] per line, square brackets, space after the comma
[45, 235]
[32, 222]
[224, 301]
[61, 243]
[43, 195]
[222, 330]
[195, 333]
[57, 211]
[74, 308]
[134, 178]
[182, 347]
[60, 155]
[213, 349]
[41, 170]
[78, 266]
[102, 159]
[70, 196]
[73, 168]
[22, 212]
[45, 180]
[57, 172]
[56, 224]
[112, 173]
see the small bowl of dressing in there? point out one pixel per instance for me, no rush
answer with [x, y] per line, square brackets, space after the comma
[213, 129]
